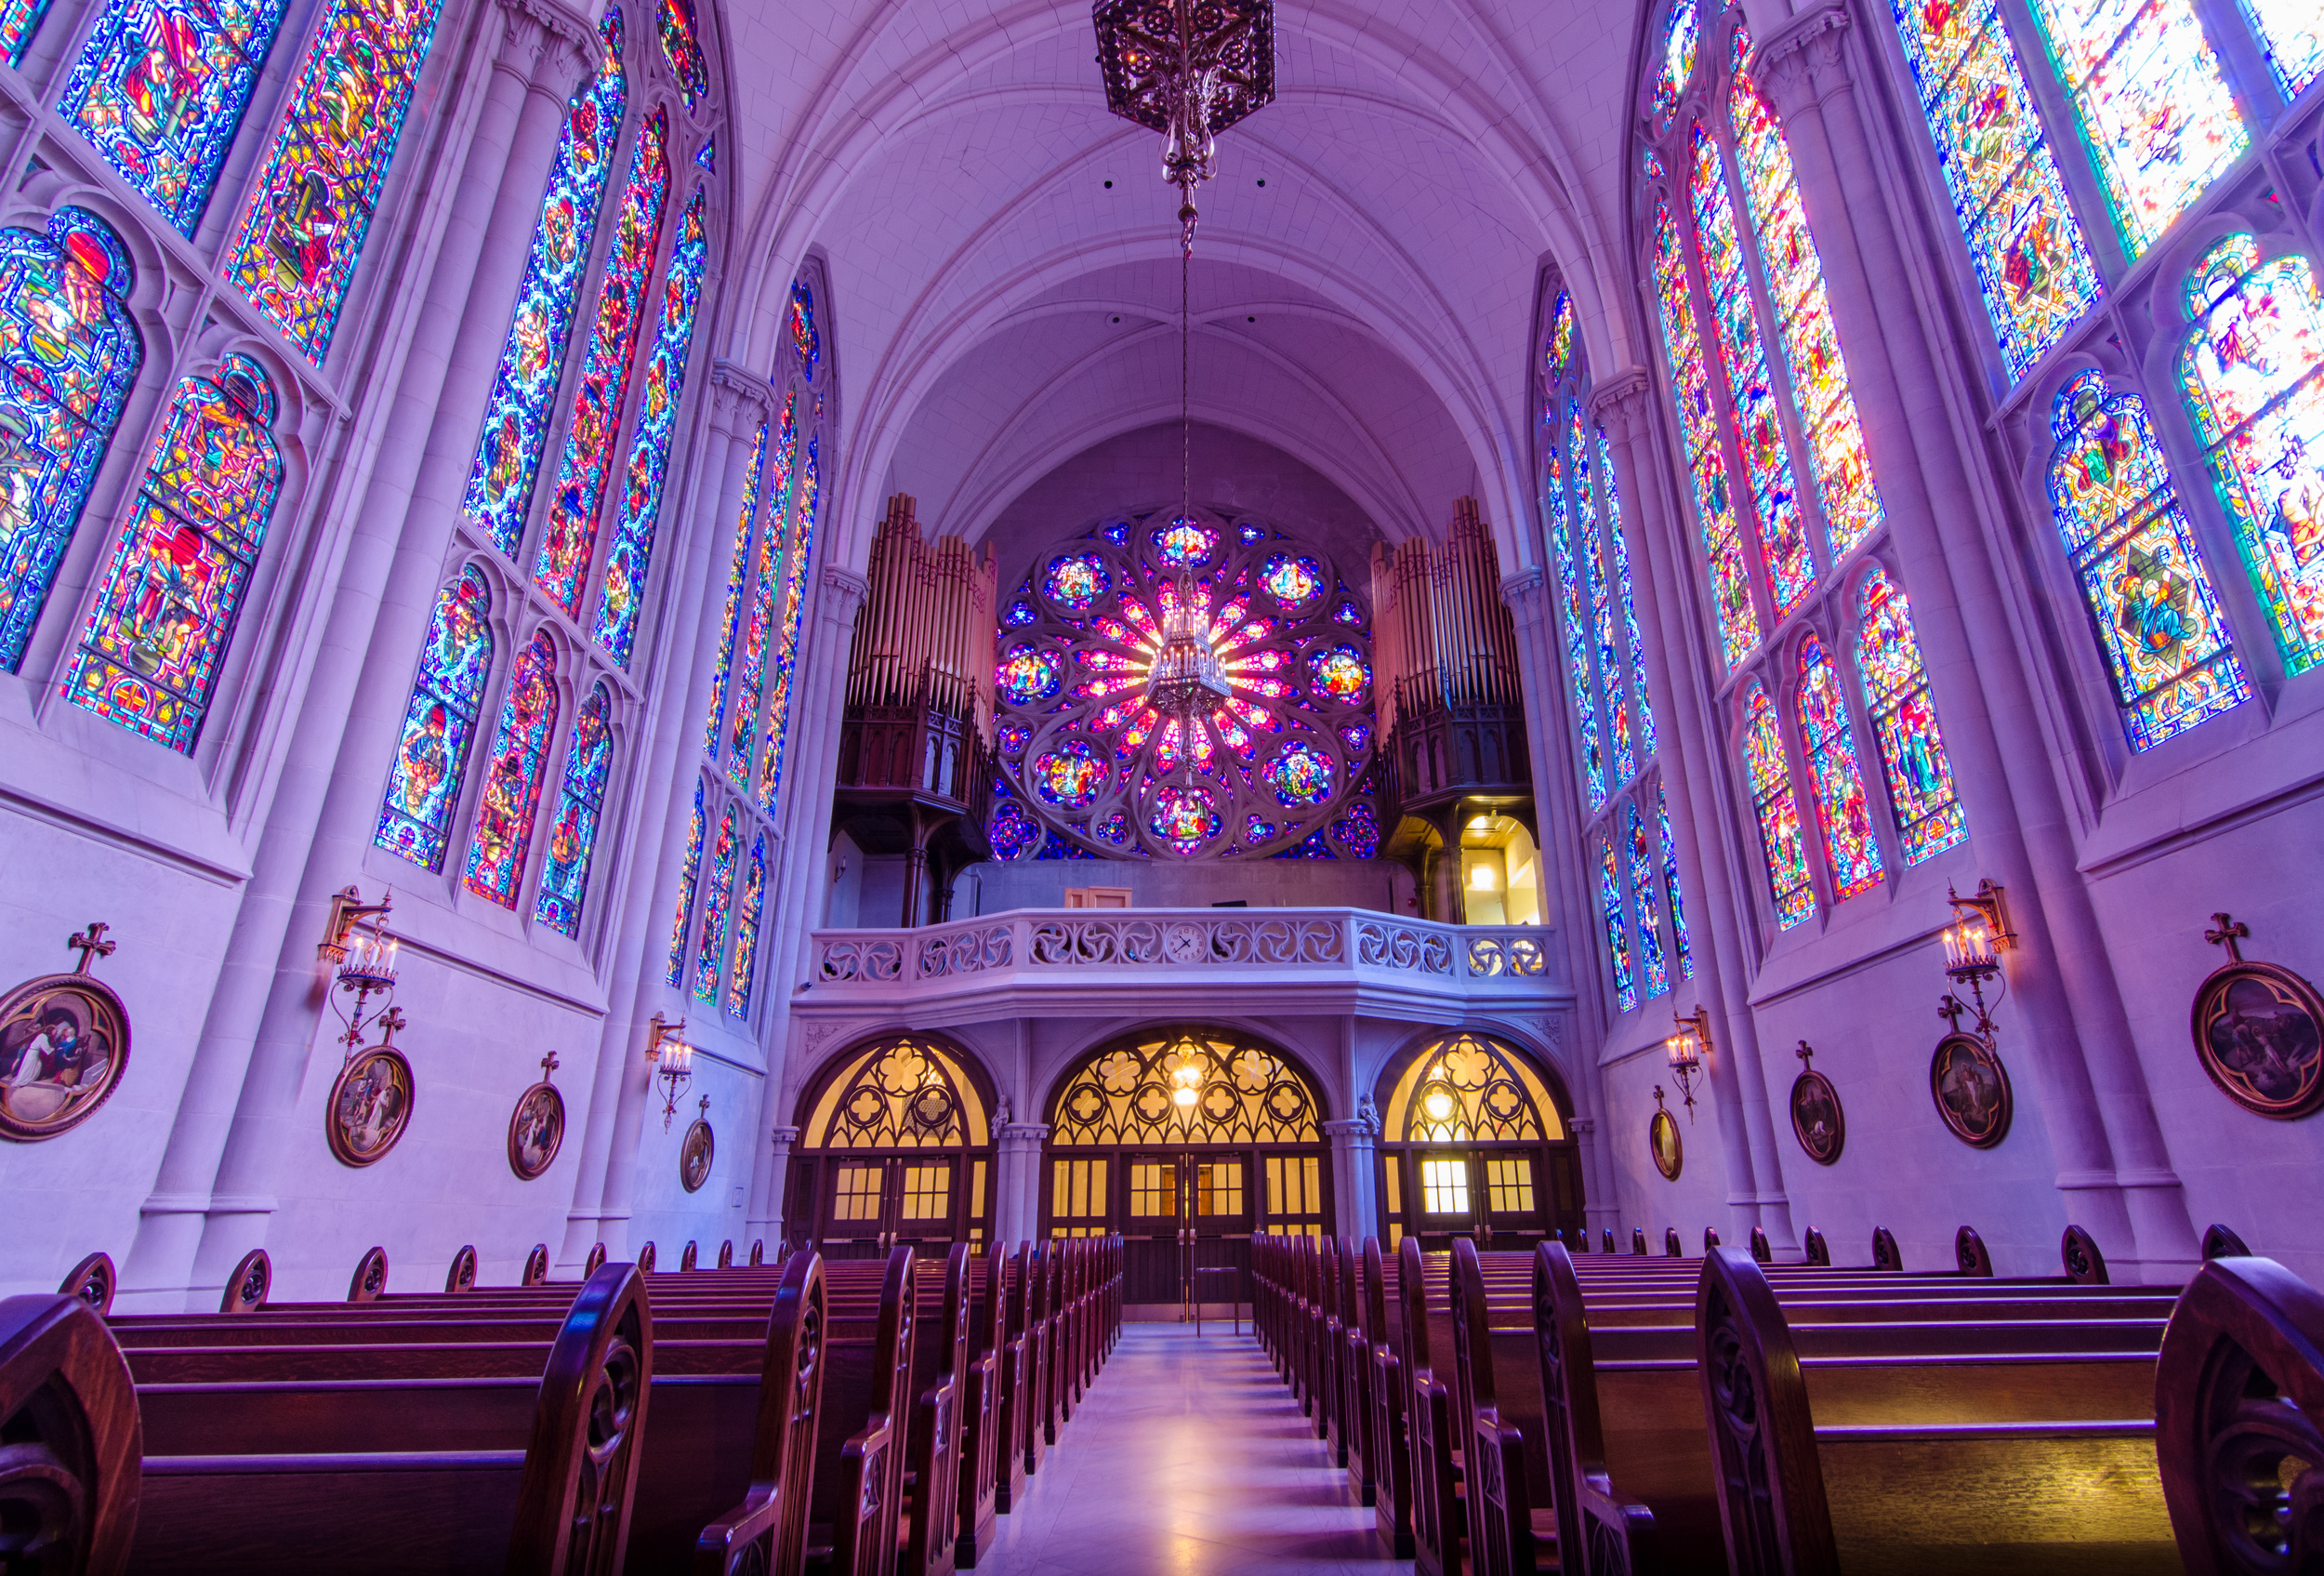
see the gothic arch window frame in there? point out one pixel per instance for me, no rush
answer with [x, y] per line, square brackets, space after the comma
[1535, 1092]
[853, 1092]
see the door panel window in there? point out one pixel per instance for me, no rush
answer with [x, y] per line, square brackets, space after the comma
[1444, 1187]
[1153, 1189]
[926, 1192]
[1219, 1188]
[1508, 1185]
[855, 1193]
[1078, 1198]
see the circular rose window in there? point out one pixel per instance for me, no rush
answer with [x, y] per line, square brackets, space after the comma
[1280, 765]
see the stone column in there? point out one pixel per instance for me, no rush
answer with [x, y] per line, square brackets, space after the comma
[195, 1224]
[777, 1227]
[1352, 1177]
[1017, 1204]
[1688, 749]
[1599, 1212]
[2076, 1038]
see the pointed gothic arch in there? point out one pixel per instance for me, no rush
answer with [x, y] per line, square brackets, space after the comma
[895, 1145]
[1476, 1140]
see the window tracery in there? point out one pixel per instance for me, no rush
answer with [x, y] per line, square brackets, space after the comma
[439, 724]
[909, 1092]
[514, 772]
[1471, 1089]
[580, 803]
[1242, 1092]
[1904, 723]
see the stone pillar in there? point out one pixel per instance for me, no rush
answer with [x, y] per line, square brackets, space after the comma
[2076, 1039]
[198, 1219]
[1688, 750]
[1017, 1202]
[775, 1225]
[1597, 1211]
[1352, 1177]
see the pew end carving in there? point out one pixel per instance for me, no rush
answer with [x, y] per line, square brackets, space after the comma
[70, 1465]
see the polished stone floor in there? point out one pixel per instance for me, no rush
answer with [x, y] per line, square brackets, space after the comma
[1188, 1458]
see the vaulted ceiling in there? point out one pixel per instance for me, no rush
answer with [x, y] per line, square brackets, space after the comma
[1364, 279]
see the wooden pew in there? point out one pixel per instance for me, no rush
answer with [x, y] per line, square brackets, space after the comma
[69, 1466]
[1018, 1354]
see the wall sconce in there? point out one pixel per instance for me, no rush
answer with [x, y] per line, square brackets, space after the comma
[1973, 950]
[362, 956]
[673, 1060]
[1688, 1051]
[348, 910]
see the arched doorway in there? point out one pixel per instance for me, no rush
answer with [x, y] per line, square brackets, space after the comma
[896, 1145]
[1185, 1141]
[1475, 1142]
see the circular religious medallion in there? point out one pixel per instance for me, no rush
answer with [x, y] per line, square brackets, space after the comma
[1662, 1138]
[536, 1128]
[1816, 1119]
[64, 1043]
[2260, 1032]
[1971, 1089]
[370, 1105]
[694, 1157]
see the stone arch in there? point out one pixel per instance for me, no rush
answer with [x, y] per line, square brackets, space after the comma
[1476, 1140]
[895, 1145]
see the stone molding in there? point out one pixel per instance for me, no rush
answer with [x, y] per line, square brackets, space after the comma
[1803, 63]
[1619, 402]
[547, 44]
[739, 401]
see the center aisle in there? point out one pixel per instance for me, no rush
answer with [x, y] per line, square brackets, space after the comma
[1187, 1458]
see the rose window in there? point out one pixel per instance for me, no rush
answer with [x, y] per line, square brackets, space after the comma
[1238, 726]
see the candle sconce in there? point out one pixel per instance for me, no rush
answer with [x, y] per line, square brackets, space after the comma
[672, 1061]
[348, 910]
[1967, 1079]
[1689, 1052]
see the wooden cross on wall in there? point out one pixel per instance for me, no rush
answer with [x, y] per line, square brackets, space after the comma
[2228, 932]
[92, 942]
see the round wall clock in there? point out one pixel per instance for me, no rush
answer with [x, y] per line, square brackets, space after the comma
[370, 1106]
[695, 1155]
[64, 1043]
[1971, 1089]
[2259, 1031]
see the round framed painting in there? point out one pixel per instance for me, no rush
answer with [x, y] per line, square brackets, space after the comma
[1816, 1119]
[2259, 1031]
[694, 1157]
[536, 1128]
[64, 1043]
[1662, 1140]
[1971, 1089]
[370, 1105]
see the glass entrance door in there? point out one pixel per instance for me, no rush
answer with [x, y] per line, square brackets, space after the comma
[873, 1204]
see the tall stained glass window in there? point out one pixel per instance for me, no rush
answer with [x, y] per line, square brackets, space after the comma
[750, 674]
[737, 585]
[152, 644]
[1904, 723]
[688, 879]
[1641, 886]
[631, 555]
[1646, 711]
[2292, 39]
[295, 248]
[1553, 506]
[716, 899]
[512, 775]
[439, 724]
[580, 803]
[19, 19]
[747, 916]
[2151, 605]
[2154, 108]
[1670, 885]
[2249, 375]
[1617, 926]
[516, 416]
[576, 501]
[70, 352]
[1849, 846]
[1590, 546]
[786, 641]
[160, 90]
[2033, 265]
[681, 45]
[1779, 814]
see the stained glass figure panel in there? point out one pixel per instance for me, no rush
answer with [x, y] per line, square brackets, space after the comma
[1849, 846]
[716, 899]
[786, 663]
[576, 501]
[737, 583]
[1616, 927]
[515, 428]
[1682, 32]
[1558, 353]
[160, 89]
[1779, 814]
[2250, 378]
[1643, 704]
[688, 878]
[512, 775]
[297, 242]
[1554, 509]
[19, 20]
[742, 972]
[1590, 548]
[2033, 264]
[681, 45]
[630, 558]
[806, 338]
[2152, 609]
[750, 677]
[580, 805]
[1920, 787]
[2153, 105]
[2291, 34]
[1670, 885]
[70, 352]
[1655, 966]
[151, 646]
[439, 724]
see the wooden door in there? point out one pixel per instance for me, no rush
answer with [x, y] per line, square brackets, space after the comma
[1443, 1197]
[1155, 1213]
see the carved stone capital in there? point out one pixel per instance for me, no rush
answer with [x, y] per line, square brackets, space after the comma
[1801, 63]
[1619, 404]
[843, 594]
[1583, 1126]
[1356, 1132]
[1023, 1135]
[740, 399]
[550, 46]
[782, 1138]
[1526, 594]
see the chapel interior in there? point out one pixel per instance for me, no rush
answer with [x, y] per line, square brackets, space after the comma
[1491, 784]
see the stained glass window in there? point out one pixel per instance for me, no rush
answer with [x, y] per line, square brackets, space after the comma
[631, 555]
[2033, 265]
[1641, 886]
[805, 338]
[2250, 378]
[1706, 463]
[1820, 396]
[573, 835]
[512, 775]
[165, 607]
[2154, 108]
[681, 45]
[716, 897]
[803, 551]
[576, 501]
[1646, 712]
[439, 724]
[1682, 30]
[160, 90]
[737, 584]
[1576, 641]
[295, 246]
[1758, 428]
[1849, 847]
[2292, 39]
[69, 351]
[1779, 814]
[19, 19]
[687, 879]
[1589, 547]
[750, 677]
[2150, 598]
[1560, 350]
[1670, 885]
[1617, 926]
[745, 965]
[1904, 721]
[516, 417]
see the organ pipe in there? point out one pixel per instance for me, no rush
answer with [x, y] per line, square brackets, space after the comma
[926, 637]
[1442, 636]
